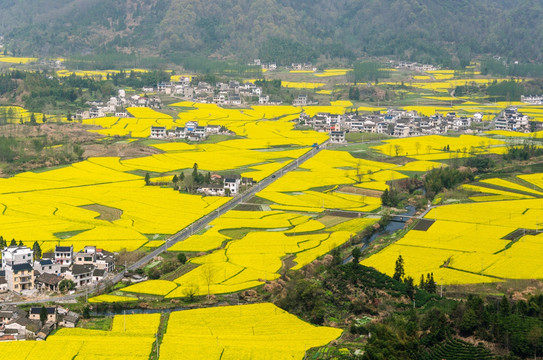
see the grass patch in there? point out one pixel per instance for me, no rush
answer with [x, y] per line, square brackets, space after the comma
[180, 271]
[68, 234]
[97, 323]
[236, 234]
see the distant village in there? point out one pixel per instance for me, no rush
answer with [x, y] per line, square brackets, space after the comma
[399, 123]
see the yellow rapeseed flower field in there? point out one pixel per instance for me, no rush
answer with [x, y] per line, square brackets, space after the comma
[259, 331]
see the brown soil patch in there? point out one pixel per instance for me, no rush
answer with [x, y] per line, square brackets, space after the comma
[360, 191]
[106, 213]
[124, 151]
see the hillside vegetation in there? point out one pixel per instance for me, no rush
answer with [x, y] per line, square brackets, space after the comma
[440, 31]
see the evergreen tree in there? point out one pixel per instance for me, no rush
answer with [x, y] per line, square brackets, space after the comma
[505, 309]
[43, 314]
[44, 119]
[410, 288]
[37, 250]
[69, 117]
[13, 242]
[182, 176]
[399, 270]
[147, 179]
[33, 119]
[356, 253]
[21, 243]
[2, 242]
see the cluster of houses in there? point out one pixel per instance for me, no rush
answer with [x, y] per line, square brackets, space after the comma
[394, 123]
[17, 324]
[36, 324]
[23, 274]
[532, 99]
[414, 66]
[229, 185]
[191, 131]
[117, 105]
[512, 120]
[232, 93]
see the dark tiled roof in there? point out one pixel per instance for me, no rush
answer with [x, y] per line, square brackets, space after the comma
[48, 279]
[37, 310]
[20, 267]
[98, 272]
[46, 262]
[6, 314]
[63, 248]
[81, 269]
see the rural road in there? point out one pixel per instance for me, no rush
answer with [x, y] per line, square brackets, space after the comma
[192, 228]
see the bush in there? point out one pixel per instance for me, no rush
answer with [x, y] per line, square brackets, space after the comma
[182, 258]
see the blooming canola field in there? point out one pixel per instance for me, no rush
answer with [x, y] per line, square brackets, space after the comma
[131, 337]
[259, 331]
[55, 207]
[497, 237]
[254, 331]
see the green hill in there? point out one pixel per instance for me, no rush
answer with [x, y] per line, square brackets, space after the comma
[440, 31]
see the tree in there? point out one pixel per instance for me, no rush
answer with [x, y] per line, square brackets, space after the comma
[410, 287]
[356, 253]
[182, 258]
[33, 119]
[175, 179]
[533, 337]
[43, 314]
[44, 119]
[37, 250]
[182, 176]
[66, 285]
[2, 242]
[69, 117]
[86, 312]
[147, 179]
[208, 274]
[505, 310]
[13, 242]
[399, 271]
[21, 243]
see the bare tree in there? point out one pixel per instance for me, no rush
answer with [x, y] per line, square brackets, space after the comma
[208, 274]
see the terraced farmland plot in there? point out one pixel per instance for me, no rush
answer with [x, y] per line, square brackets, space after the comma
[131, 337]
[469, 243]
[260, 331]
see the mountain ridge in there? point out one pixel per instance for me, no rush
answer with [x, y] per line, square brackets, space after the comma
[446, 32]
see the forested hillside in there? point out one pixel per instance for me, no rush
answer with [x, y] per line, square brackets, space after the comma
[440, 31]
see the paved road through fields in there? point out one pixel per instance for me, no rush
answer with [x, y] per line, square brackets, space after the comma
[195, 226]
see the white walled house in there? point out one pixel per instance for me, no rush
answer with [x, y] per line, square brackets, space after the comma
[14, 255]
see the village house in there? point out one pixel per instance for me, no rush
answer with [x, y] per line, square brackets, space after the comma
[47, 282]
[35, 312]
[17, 265]
[64, 255]
[232, 184]
[47, 266]
[337, 136]
[212, 190]
[80, 274]
[158, 132]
